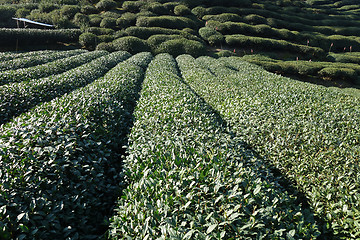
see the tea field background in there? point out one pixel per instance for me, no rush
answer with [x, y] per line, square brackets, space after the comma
[180, 120]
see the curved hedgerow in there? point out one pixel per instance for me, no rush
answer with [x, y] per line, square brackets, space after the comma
[40, 59]
[47, 69]
[6, 56]
[178, 46]
[310, 133]
[189, 178]
[19, 97]
[70, 150]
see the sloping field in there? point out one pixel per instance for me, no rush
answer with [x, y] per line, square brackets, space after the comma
[216, 149]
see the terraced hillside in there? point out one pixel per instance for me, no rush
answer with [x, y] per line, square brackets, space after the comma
[312, 39]
[216, 149]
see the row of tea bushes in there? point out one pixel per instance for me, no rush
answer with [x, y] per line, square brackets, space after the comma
[9, 36]
[188, 177]
[17, 98]
[6, 56]
[47, 69]
[70, 151]
[36, 60]
[310, 133]
[333, 71]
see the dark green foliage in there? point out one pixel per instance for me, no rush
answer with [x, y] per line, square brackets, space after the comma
[67, 191]
[182, 10]
[81, 20]
[166, 22]
[225, 53]
[195, 169]
[132, 6]
[288, 122]
[146, 32]
[105, 46]
[88, 9]
[170, 6]
[267, 43]
[88, 40]
[211, 35]
[108, 23]
[180, 46]
[106, 5]
[111, 14]
[334, 74]
[106, 38]
[224, 17]
[22, 13]
[199, 12]
[7, 12]
[62, 76]
[69, 11]
[156, 8]
[100, 31]
[48, 7]
[38, 36]
[131, 44]
[95, 20]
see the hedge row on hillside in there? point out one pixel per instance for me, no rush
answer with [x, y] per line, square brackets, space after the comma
[20, 97]
[273, 44]
[71, 149]
[189, 178]
[349, 72]
[310, 133]
[37, 36]
[30, 61]
[47, 69]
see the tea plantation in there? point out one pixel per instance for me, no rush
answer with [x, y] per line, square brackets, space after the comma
[215, 149]
[159, 119]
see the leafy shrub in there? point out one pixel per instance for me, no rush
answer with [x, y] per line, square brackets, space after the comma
[62, 76]
[19, 63]
[170, 6]
[111, 14]
[283, 113]
[182, 10]
[199, 12]
[90, 118]
[100, 31]
[180, 46]
[190, 151]
[22, 13]
[108, 23]
[192, 3]
[81, 20]
[132, 6]
[38, 36]
[256, 19]
[146, 32]
[69, 11]
[166, 22]
[6, 12]
[95, 20]
[211, 35]
[48, 7]
[88, 40]
[106, 38]
[156, 8]
[225, 53]
[333, 73]
[224, 17]
[105, 5]
[131, 44]
[105, 46]
[88, 9]
[126, 20]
